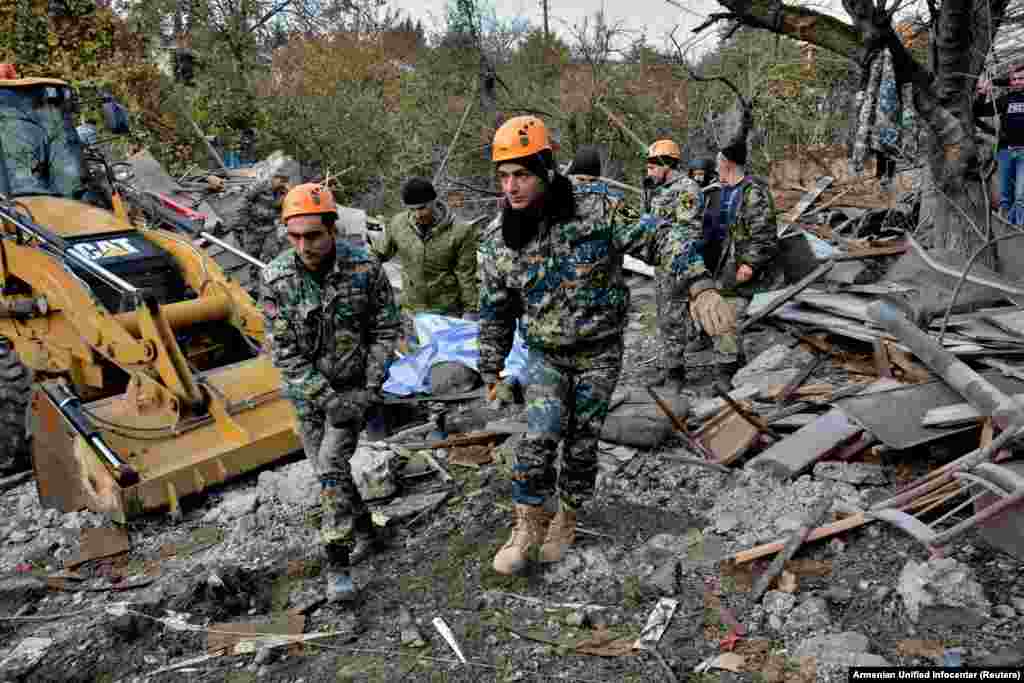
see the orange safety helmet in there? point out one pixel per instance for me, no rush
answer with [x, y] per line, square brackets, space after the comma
[664, 148]
[306, 199]
[520, 136]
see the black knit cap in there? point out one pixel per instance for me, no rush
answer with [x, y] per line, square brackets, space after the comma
[417, 191]
[586, 162]
[736, 153]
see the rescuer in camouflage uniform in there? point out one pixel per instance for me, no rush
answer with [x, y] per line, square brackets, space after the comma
[438, 255]
[554, 260]
[750, 250]
[257, 221]
[331, 322]
[676, 198]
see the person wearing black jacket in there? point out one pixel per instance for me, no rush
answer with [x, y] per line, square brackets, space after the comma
[1010, 154]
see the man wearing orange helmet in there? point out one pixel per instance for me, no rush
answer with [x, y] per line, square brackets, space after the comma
[331, 322]
[677, 198]
[554, 261]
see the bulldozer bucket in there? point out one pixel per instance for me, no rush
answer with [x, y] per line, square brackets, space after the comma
[172, 461]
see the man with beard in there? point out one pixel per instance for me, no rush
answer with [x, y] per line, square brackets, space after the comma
[554, 260]
[677, 199]
[438, 255]
[331, 323]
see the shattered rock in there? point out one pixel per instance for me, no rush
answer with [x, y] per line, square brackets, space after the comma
[294, 486]
[18, 591]
[25, 658]
[943, 592]
[239, 503]
[777, 605]
[856, 473]
[372, 471]
[810, 615]
[639, 422]
[838, 651]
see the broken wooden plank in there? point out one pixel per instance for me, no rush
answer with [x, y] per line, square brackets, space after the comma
[471, 439]
[883, 366]
[803, 448]
[806, 201]
[728, 436]
[702, 410]
[793, 544]
[873, 252]
[745, 411]
[851, 522]
[913, 373]
[821, 390]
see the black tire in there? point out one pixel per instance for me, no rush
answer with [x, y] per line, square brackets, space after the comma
[15, 388]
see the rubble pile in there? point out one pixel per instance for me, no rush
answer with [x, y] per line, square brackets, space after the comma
[825, 510]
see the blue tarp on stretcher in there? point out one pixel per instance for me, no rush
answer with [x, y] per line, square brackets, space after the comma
[442, 338]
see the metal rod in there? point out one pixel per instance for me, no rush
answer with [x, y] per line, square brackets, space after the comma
[234, 250]
[124, 286]
[991, 511]
[788, 294]
[957, 509]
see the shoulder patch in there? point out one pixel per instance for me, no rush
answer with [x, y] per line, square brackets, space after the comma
[353, 253]
[282, 266]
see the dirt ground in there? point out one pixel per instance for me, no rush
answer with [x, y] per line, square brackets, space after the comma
[646, 515]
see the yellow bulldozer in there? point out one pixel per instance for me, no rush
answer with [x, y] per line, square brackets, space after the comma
[131, 370]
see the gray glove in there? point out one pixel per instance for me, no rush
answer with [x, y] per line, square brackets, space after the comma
[345, 408]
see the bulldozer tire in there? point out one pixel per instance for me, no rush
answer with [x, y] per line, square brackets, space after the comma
[15, 386]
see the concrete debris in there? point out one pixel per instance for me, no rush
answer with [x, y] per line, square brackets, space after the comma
[838, 651]
[372, 470]
[25, 658]
[943, 592]
[295, 485]
[856, 473]
[811, 615]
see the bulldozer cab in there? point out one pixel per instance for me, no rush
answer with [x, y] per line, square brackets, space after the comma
[41, 152]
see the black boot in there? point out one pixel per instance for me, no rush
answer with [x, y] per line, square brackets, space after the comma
[365, 539]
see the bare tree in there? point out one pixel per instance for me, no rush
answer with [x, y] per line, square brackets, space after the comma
[963, 32]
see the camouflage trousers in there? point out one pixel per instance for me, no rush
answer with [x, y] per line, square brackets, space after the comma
[567, 398]
[728, 348]
[329, 449]
[675, 326]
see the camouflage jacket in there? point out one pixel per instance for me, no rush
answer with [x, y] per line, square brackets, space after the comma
[752, 238]
[439, 270]
[259, 214]
[337, 335]
[679, 199]
[567, 282]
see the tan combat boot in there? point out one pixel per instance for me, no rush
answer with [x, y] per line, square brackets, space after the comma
[531, 523]
[561, 534]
